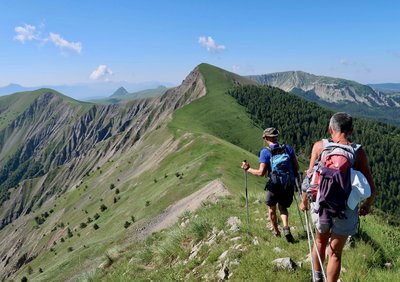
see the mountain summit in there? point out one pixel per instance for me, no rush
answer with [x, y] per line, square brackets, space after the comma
[120, 92]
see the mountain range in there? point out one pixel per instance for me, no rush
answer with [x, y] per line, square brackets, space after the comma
[87, 91]
[336, 93]
[122, 95]
[386, 87]
[83, 186]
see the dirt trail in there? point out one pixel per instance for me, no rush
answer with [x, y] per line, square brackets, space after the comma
[211, 192]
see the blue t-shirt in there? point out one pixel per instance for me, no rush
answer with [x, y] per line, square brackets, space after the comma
[265, 155]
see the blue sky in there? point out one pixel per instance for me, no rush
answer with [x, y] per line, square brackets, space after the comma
[67, 42]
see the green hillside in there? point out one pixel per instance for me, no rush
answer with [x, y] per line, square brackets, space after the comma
[302, 123]
[358, 99]
[168, 255]
[205, 140]
[218, 114]
[11, 106]
[198, 160]
[19, 113]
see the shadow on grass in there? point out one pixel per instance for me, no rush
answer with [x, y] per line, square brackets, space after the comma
[366, 238]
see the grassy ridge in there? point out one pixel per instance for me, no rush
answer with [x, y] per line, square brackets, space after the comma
[218, 114]
[199, 158]
[205, 131]
[165, 255]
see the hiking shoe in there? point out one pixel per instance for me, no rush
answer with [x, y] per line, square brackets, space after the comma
[318, 276]
[288, 235]
[276, 233]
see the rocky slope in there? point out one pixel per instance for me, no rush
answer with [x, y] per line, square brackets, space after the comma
[54, 143]
[52, 134]
[328, 89]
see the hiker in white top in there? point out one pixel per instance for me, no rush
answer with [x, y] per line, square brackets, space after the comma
[338, 230]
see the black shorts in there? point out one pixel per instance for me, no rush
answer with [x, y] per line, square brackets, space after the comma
[278, 194]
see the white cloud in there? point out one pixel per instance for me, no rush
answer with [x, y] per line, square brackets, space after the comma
[26, 33]
[30, 33]
[100, 72]
[62, 43]
[209, 43]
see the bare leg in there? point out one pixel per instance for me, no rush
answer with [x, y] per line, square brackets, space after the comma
[284, 215]
[272, 218]
[335, 257]
[321, 239]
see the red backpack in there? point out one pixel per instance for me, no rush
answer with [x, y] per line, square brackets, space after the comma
[334, 157]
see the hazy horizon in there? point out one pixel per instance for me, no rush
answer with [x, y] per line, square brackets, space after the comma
[66, 43]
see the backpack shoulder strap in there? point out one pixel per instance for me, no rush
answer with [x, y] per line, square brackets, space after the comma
[353, 148]
[277, 150]
[325, 143]
[356, 148]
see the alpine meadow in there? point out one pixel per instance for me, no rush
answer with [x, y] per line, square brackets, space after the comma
[150, 188]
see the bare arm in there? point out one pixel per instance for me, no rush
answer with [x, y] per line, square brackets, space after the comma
[257, 172]
[361, 164]
[316, 151]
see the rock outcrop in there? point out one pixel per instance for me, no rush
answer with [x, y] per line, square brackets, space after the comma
[327, 89]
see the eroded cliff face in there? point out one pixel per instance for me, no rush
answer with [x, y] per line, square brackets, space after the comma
[331, 90]
[53, 143]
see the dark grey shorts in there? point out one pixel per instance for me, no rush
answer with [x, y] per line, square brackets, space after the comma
[279, 195]
[346, 227]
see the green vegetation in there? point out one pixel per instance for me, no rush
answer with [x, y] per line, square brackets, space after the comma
[202, 136]
[217, 113]
[388, 114]
[167, 255]
[302, 123]
[24, 109]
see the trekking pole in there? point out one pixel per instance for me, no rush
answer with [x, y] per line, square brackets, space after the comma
[299, 185]
[309, 246]
[247, 200]
[297, 203]
[298, 210]
[317, 251]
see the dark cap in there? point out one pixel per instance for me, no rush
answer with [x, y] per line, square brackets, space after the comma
[270, 132]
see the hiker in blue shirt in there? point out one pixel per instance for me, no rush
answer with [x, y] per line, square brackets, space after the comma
[279, 161]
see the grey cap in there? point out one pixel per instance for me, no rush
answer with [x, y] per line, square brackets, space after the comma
[270, 132]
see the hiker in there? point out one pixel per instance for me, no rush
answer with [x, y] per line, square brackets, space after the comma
[279, 160]
[332, 227]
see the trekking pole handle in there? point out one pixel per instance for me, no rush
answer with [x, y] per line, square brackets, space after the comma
[245, 161]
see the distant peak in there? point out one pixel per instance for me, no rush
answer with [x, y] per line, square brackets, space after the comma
[14, 85]
[120, 92]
